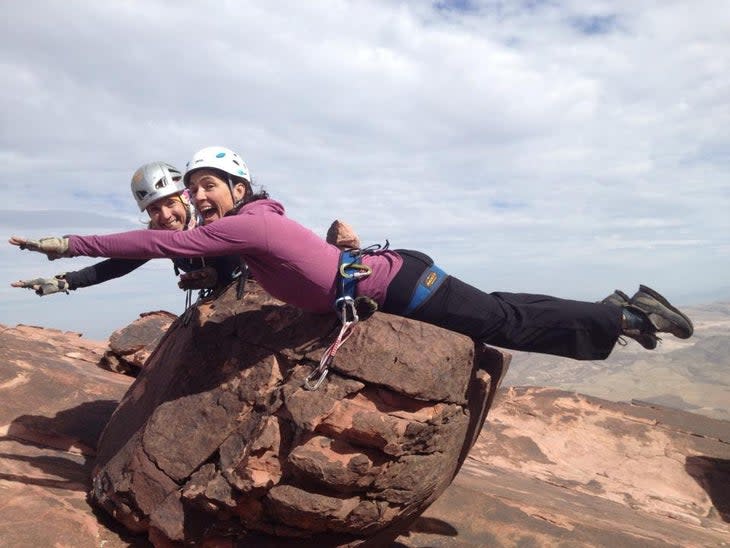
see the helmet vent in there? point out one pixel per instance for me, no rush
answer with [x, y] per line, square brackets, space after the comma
[154, 181]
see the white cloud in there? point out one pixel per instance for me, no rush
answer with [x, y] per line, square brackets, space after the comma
[565, 147]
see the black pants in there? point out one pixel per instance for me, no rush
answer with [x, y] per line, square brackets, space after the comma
[517, 321]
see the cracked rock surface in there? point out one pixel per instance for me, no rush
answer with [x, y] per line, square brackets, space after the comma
[217, 437]
[551, 468]
[131, 346]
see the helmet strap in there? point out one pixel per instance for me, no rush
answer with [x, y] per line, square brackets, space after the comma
[236, 203]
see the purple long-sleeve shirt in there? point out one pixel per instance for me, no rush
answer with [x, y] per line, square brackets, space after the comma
[290, 261]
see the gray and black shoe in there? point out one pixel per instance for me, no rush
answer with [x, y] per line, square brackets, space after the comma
[664, 317]
[617, 298]
[645, 337]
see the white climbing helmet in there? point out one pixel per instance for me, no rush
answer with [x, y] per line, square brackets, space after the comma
[220, 158]
[154, 181]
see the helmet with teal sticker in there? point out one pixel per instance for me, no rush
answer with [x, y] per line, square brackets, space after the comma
[220, 158]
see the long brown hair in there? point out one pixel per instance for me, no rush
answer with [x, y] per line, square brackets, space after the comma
[248, 197]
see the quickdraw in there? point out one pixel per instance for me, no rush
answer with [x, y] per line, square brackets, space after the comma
[350, 271]
[319, 374]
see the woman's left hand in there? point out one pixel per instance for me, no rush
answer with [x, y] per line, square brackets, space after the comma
[44, 286]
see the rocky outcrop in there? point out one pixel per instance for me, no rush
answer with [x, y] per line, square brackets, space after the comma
[54, 402]
[130, 346]
[218, 437]
[551, 469]
[556, 465]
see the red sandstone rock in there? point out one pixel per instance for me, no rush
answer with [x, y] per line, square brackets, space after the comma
[552, 469]
[54, 402]
[557, 468]
[131, 346]
[219, 437]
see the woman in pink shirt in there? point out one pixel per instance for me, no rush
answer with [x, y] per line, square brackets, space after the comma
[298, 267]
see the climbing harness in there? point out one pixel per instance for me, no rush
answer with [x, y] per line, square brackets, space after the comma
[349, 308]
[430, 280]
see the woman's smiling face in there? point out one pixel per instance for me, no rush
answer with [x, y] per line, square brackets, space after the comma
[168, 213]
[211, 195]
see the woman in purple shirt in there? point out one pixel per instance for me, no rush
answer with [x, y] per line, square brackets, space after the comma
[298, 267]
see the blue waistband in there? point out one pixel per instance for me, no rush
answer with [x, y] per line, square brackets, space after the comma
[428, 283]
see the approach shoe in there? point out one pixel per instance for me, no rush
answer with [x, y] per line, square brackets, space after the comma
[664, 317]
[617, 298]
[645, 339]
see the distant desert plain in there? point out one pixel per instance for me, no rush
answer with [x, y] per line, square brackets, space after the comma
[691, 375]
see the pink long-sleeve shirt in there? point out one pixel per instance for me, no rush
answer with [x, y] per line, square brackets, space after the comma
[290, 261]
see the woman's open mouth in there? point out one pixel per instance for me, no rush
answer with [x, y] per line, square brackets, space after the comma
[208, 213]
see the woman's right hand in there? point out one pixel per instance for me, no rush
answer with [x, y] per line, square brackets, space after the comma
[44, 286]
[51, 246]
[204, 278]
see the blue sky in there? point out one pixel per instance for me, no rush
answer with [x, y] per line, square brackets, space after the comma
[557, 147]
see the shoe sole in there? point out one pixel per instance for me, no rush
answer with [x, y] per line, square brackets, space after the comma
[686, 331]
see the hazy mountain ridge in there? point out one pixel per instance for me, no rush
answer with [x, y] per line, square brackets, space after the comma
[692, 375]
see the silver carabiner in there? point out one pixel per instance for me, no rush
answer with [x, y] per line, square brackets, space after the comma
[341, 306]
[322, 372]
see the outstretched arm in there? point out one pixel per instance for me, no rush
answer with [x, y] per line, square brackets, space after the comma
[91, 275]
[102, 272]
[228, 236]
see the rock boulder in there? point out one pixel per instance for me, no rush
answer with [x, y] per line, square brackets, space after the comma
[130, 346]
[218, 438]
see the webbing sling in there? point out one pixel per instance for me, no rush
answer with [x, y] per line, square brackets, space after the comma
[427, 284]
